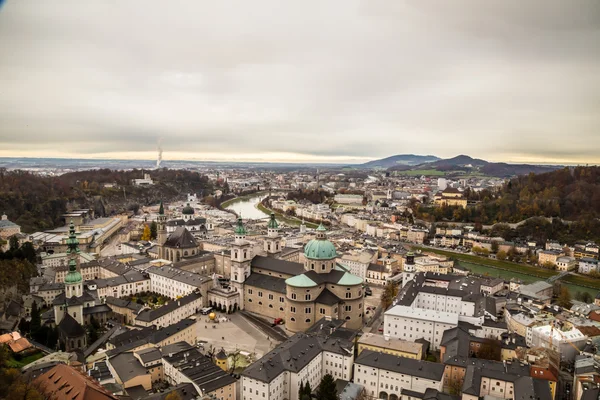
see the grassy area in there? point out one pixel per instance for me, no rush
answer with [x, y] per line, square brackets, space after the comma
[506, 265]
[17, 362]
[426, 172]
[578, 280]
[582, 281]
[153, 300]
[285, 218]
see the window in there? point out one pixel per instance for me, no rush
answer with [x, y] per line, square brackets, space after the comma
[270, 297]
[294, 296]
[307, 297]
[323, 267]
[249, 291]
[281, 300]
[259, 294]
[307, 310]
[348, 308]
[348, 295]
[293, 309]
[322, 310]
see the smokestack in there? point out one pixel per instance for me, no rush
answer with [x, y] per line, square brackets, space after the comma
[160, 151]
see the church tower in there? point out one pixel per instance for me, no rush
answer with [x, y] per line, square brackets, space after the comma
[161, 230]
[240, 259]
[273, 241]
[409, 270]
[73, 279]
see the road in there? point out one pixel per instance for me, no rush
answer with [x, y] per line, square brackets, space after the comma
[266, 327]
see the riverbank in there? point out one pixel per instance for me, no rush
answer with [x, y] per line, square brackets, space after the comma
[543, 274]
[285, 218]
[245, 197]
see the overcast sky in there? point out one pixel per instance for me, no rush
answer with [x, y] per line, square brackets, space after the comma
[335, 81]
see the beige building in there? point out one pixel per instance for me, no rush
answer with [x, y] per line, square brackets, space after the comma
[450, 197]
[385, 344]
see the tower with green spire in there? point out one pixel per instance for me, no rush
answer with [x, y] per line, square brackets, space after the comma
[272, 244]
[241, 254]
[73, 279]
[161, 230]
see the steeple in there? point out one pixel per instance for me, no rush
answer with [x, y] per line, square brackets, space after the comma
[240, 230]
[72, 242]
[73, 277]
[272, 243]
[161, 209]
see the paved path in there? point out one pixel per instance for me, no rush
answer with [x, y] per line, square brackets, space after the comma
[265, 327]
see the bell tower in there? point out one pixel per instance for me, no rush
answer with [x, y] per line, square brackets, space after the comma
[161, 230]
[241, 255]
[272, 244]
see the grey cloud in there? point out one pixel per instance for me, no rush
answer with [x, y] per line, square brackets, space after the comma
[494, 79]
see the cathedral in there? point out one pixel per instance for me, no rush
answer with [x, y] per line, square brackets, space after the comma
[180, 243]
[304, 293]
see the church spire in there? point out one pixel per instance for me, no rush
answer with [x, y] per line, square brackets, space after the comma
[161, 209]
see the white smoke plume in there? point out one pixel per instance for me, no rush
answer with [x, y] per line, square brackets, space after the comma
[160, 151]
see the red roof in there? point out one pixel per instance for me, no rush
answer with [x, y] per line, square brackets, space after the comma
[66, 382]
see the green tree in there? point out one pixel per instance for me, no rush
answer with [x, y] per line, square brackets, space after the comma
[13, 243]
[564, 298]
[327, 389]
[36, 319]
[153, 230]
[490, 350]
[301, 390]
[494, 246]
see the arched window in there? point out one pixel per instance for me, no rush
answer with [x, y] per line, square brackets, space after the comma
[293, 319]
[307, 320]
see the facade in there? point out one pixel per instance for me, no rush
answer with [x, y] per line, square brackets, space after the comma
[566, 263]
[407, 323]
[549, 257]
[173, 282]
[385, 344]
[386, 376]
[357, 264]
[587, 265]
[170, 313]
[450, 197]
[305, 357]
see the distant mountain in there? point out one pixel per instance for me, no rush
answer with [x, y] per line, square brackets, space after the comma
[463, 164]
[398, 160]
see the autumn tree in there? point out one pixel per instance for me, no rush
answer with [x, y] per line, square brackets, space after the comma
[390, 291]
[564, 298]
[174, 395]
[147, 234]
[501, 255]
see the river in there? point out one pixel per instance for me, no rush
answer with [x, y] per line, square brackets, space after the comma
[507, 275]
[246, 207]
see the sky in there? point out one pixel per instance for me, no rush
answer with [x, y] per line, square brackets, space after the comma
[339, 81]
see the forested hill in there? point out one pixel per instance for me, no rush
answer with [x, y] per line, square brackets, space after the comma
[37, 202]
[571, 194]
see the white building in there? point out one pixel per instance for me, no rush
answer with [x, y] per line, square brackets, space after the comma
[563, 342]
[587, 265]
[385, 376]
[173, 282]
[61, 259]
[355, 199]
[358, 263]
[146, 181]
[305, 357]
[407, 323]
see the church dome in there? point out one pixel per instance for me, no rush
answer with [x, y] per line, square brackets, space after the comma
[320, 248]
[73, 276]
[272, 222]
[188, 210]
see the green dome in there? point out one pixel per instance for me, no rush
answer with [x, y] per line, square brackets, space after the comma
[240, 230]
[73, 277]
[188, 210]
[272, 222]
[300, 281]
[318, 249]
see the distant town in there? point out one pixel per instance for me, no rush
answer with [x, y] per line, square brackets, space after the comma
[419, 279]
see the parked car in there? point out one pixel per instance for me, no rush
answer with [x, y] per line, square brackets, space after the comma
[277, 321]
[368, 291]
